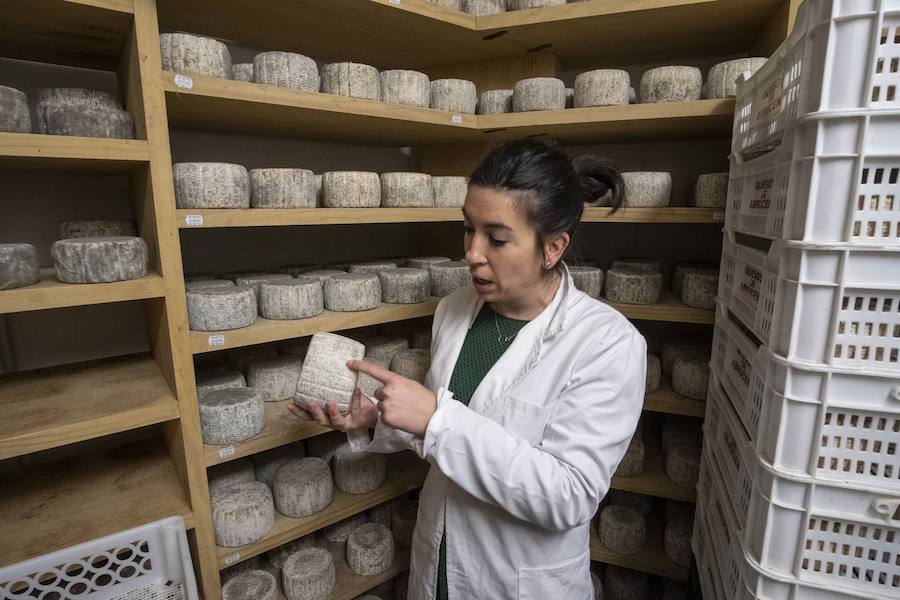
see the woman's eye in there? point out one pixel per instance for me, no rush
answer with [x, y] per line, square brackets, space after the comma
[495, 242]
[468, 230]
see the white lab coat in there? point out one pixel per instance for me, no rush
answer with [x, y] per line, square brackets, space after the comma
[520, 472]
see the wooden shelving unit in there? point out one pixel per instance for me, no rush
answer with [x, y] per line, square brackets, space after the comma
[37, 152]
[49, 293]
[666, 400]
[653, 480]
[651, 559]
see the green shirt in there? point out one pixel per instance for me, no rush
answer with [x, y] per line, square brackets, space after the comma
[482, 348]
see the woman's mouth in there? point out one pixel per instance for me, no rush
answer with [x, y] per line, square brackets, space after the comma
[481, 284]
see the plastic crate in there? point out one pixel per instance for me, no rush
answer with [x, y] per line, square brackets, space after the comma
[150, 562]
[747, 283]
[841, 55]
[707, 564]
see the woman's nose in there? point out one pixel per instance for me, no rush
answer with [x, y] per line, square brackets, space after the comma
[474, 256]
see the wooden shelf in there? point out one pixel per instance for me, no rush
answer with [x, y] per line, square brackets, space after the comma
[50, 293]
[669, 308]
[53, 407]
[51, 506]
[676, 215]
[37, 152]
[405, 472]
[666, 400]
[651, 559]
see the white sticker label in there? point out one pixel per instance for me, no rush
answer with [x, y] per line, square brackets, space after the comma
[183, 81]
[394, 2]
[226, 451]
[194, 220]
[216, 340]
[719, 216]
[457, 119]
[232, 558]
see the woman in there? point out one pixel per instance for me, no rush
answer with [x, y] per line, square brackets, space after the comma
[533, 394]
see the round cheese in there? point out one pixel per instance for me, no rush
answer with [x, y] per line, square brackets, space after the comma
[340, 531]
[99, 259]
[274, 377]
[299, 298]
[526, 4]
[266, 464]
[211, 185]
[688, 347]
[678, 431]
[325, 376]
[677, 541]
[370, 549]
[220, 309]
[82, 112]
[231, 415]
[322, 275]
[303, 487]
[450, 191]
[690, 376]
[18, 266]
[358, 472]
[282, 188]
[95, 228]
[633, 287]
[602, 87]
[194, 54]
[384, 513]
[372, 266]
[385, 347]
[242, 513]
[647, 189]
[654, 374]
[447, 277]
[406, 190]
[699, 288]
[325, 445]
[425, 262]
[454, 4]
[240, 358]
[722, 78]
[494, 102]
[403, 522]
[254, 281]
[242, 72]
[454, 95]
[308, 574]
[636, 264]
[539, 93]
[620, 583]
[277, 556]
[633, 462]
[244, 566]
[413, 363]
[14, 114]
[253, 585]
[623, 530]
[483, 7]
[587, 279]
[405, 286]
[675, 83]
[218, 379]
[399, 86]
[711, 190]
[351, 79]
[682, 268]
[642, 503]
[351, 189]
[286, 69]
[233, 472]
[352, 292]
[683, 465]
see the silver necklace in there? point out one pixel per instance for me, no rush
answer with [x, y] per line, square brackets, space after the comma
[502, 339]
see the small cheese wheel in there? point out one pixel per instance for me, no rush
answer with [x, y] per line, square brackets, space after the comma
[675, 83]
[483, 7]
[647, 189]
[18, 266]
[99, 259]
[413, 363]
[325, 376]
[351, 79]
[636, 264]
[633, 287]
[282, 188]
[95, 228]
[384, 513]
[322, 275]
[303, 487]
[690, 376]
[679, 431]
[622, 529]
[620, 583]
[682, 346]
[699, 288]
[277, 556]
[711, 190]
[233, 472]
[682, 268]
[340, 531]
[675, 509]
[242, 72]
[358, 472]
[633, 462]
[253, 585]
[240, 568]
[308, 574]
[642, 503]
[454, 4]
[385, 347]
[675, 590]
[254, 281]
[240, 358]
[539, 93]
[454, 95]
[449, 191]
[425, 262]
[405, 190]
[14, 114]
[403, 522]
[218, 379]
[211, 185]
[298, 270]
[286, 69]
[275, 377]
[351, 189]
[186, 53]
[677, 541]
[370, 549]
[401, 86]
[654, 374]
[220, 309]
[447, 277]
[324, 446]
[602, 87]
[299, 298]
[372, 266]
[494, 102]
[242, 513]
[587, 279]
[352, 292]
[266, 464]
[82, 112]
[422, 338]
[231, 415]
[526, 4]
[683, 465]
[597, 584]
[405, 286]
[722, 78]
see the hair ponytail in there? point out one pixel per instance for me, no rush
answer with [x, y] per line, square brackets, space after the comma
[601, 181]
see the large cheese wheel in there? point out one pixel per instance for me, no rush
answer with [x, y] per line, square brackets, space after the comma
[95, 228]
[399, 86]
[303, 487]
[484, 7]
[254, 281]
[99, 259]
[683, 465]
[405, 286]
[370, 549]
[622, 529]
[231, 415]
[403, 522]
[274, 377]
[351, 189]
[308, 574]
[340, 531]
[633, 462]
[217, 379]
[654, 374]
[282, 188]
[682, 346]
[324, 446]
[242, 513]
[220, 309]
[358, 472]
[266, 464]
[352, 292]
[372, 266]
[82, 112]
[620, 583]
[18, 266]
[447, 277]
[450, 191]
[539, 93]
[722, 78]
[413, 363]
[384, 513]
[699, 288]
[635, 264]
[322, 275]
[587, 279]
[14, 114]
[230, 473]
[245, 566]
[299, 298]
[277, 556]
[351, 79]
[647, 189]
[526, 4]
[240, 358]
[194, 54]
[454, 95]
[211, 185]
[286, 69]
[711, 190]
[674, 83]
[385, 347]
[253, 585]
[690, 376]
[682, 268]
[425, 262]
[325, 376]
[406, 190]
[495, 101]
[633, 287]
[677, 541]
[642, 503]
[242, 72]
[679, 431]
[602, 87]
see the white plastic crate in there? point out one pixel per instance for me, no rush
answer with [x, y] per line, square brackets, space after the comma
[747, 282]
[150, 562]
[841, 55]
[706, 561]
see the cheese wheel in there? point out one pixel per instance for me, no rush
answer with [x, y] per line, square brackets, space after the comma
[274, 377]
[254, 281]
[231, 415]
[194, 54]
[266, 464]
[647, 189]
[308, 574]
[682, 346]
[244, 566]
[277, 556]
[352, 292]
[253, 585]
[633, 462]
[674, 83]
[677, 541]
[325, 376]
[483, 7]
[406, 190]
[242, 513]
[282, 188]
[351, 189]
[384, 513]
[95, 228]
[690, 376]
[722, 78]
[351, 79]
[494, 102]
[699, 288]
[677, 431]
[220, 309]
[93, 259]
[636, 264]
[675, 509]
[240, 358]
[403, 522]
[82, 112]
[405, 286]
[211, 185]
[454, 4]
[18, 266]
[447, 277]
[14, 114]
[218, 379]
[454, 95]
[400, 86]
[682, 268]
[642, 503]
[711, 190]
[526, 4]
[602, 87]
[372, 266]
[654, 374]
[299, 298]
[298, 270]
[449, 191]
[633, 287]
[385, 347]
[340, 531]
[243, 72]
[233, 472]
[622, 529]
[322, 275]
[370, 549]
[413, 363]
[425, 262]
[539, 93]
[303, 487]
[422, 338]
[587, 279]
[683, 465]
[286, 69]
[324, 446]
[624, 584]
[358, 472]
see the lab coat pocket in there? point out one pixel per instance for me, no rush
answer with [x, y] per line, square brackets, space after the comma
[569, 580]
[524, 419]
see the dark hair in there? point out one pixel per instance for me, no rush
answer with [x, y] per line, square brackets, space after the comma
[551, 188]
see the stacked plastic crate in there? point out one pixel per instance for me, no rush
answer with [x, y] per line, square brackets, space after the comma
[799, 493]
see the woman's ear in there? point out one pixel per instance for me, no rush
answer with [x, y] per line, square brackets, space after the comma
[555, 248]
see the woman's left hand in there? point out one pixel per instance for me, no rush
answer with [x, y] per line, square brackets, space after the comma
[404, 404]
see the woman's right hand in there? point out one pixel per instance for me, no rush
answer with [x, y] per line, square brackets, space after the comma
[362, 413]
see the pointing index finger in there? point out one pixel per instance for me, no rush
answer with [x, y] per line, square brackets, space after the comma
[374, 370]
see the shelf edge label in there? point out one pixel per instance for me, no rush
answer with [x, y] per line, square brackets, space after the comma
[216, 340]
[194, 220]
[394, 2]
[456, 119]
[183, 81]
[226, 451]
[232, 558]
